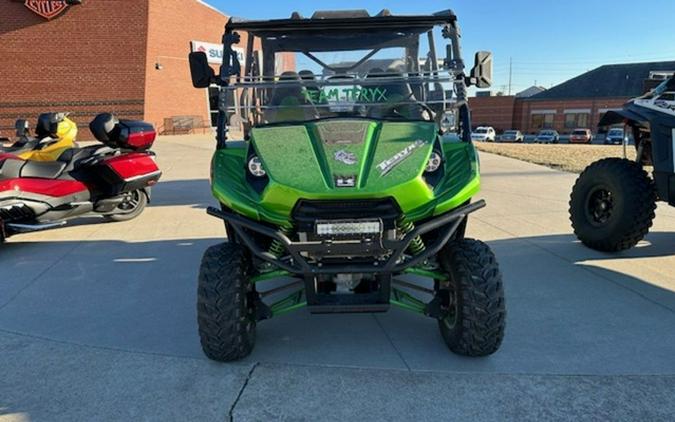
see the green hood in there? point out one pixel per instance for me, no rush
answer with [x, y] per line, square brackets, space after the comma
[324, 157]
[345, 159]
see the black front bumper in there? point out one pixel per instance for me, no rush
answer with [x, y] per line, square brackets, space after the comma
[396, 262]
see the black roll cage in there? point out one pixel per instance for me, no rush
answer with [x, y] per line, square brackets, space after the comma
[284, 29]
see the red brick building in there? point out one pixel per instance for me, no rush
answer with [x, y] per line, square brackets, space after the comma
[578, 103]
[124, 56]
[498, 112]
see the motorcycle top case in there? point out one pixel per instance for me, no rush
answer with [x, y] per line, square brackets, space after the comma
[125, 134]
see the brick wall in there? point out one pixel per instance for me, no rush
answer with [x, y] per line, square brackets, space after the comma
[497, 112]
[88, 60]
[525, 109]
[504, 113]
[172, 25]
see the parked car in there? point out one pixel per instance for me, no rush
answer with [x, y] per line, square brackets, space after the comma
[512, 136]
[547, 136]
[615, 136]
[581, 136]
[484, 134]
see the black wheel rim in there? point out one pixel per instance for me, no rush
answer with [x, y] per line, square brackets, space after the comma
[130, 203]
[600, 206]
[450, 320]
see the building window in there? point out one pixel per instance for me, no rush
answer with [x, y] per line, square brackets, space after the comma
[577, 120]
[542, 121]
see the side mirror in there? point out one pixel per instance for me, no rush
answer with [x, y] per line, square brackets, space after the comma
[202, 74]
[22, 128]
[481, 74]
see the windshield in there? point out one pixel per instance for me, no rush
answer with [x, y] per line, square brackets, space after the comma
[481, 130]
[301, 77]
[510, 132]
[616, 132]
[579, 132]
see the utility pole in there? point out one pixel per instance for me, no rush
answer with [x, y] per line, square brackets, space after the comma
[510, 74]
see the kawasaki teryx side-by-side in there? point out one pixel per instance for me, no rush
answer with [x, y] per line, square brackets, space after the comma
[613, 201]
[352, 185]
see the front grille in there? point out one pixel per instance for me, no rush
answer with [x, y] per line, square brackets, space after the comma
[307, 212]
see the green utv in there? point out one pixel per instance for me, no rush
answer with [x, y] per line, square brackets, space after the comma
[351, 187]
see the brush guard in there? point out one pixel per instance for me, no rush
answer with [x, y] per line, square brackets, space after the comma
[397, 262]
[294, 264]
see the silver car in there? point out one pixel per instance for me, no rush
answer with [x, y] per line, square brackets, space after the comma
[512, 136]
[547, 137]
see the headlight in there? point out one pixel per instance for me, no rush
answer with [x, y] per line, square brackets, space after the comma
[255, 167]
[434, 162]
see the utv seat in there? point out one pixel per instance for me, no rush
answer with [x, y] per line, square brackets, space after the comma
[309, 80]
[399, 95]
[288, 103]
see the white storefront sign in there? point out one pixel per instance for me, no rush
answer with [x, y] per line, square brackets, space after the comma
[214, 52]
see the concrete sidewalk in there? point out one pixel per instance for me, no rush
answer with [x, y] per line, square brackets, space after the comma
[97, 322]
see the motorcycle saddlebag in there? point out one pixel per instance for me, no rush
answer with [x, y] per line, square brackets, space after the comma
[127, 172]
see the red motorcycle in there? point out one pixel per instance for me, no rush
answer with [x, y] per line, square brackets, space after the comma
[112, 180]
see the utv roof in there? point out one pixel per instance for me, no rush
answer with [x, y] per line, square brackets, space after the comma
[343, 20]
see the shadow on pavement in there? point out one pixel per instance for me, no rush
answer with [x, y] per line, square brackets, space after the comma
[565, 315]
[656, 244]
[195, 193]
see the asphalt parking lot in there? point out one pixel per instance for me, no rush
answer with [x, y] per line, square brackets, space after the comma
[97, 322]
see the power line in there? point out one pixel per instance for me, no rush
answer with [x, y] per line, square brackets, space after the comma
[510, 73]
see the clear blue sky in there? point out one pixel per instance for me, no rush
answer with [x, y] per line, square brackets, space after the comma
[549, 41]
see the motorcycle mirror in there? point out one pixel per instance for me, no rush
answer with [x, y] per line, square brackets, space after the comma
[202, 74]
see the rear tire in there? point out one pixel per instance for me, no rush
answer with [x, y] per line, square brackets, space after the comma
[476, 320]
[132, 208]
[612, 205]
[225, 314]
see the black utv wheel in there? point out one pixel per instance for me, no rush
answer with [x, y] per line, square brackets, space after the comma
[225, 309]
[612, 205]
[476, 314]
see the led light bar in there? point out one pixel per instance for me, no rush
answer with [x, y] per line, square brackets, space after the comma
[343, 228]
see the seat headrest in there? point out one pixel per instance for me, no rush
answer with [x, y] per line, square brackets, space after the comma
[103, 126]
[48, 124]
[289, 76]
[307, 75]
